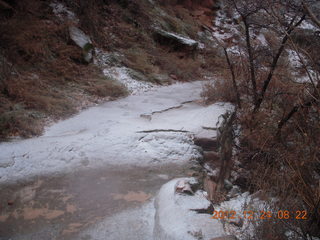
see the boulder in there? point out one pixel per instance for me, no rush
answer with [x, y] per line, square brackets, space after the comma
[83, 41]
[176, 41]
[175, 218]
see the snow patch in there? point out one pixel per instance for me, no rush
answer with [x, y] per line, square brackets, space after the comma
[222, 29]
[61, 11]
[299, 71]
[240, 204]
[262, 39]
[121, 74]
[175, 220]
[168, 147]
[183, 39]
[308, 26]
[105, 59]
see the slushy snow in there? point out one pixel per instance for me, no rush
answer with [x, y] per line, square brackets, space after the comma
[122, 75]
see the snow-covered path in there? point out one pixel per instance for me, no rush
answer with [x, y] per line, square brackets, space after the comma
[118, 132]
[95, 174]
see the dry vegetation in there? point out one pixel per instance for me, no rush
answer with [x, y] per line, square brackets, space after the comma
[42, 72]
[279, 119]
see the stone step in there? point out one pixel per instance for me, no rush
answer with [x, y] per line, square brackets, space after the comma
[207, 144]
[211, 156]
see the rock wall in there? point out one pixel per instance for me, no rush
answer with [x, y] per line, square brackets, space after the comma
[225, 140]
[217, 158]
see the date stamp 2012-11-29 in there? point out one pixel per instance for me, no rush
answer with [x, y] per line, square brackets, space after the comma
[261, 215]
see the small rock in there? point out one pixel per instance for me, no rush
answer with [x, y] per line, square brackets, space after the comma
[227, 185]
[213, 173]
[10, 202]
[194, 184]
[235, 191]
[174, 77]
[183, 187]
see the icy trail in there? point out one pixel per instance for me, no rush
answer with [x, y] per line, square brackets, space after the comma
[122, 132]
[98, 172]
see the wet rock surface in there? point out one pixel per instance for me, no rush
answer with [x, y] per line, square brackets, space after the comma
[62, 206]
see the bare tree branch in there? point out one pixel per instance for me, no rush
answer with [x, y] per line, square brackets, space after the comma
[251, 60]
[274, 64]
[311, 14]
[233, 77]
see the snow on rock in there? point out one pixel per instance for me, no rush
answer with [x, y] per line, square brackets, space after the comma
[83, 41]
[294, 59]
[168, 146]
[105, 59]
[308, 26]
[262, 39]
[242, 226]
[183, 39]
[299, 71]
[76, 34]
[183, 186]
[62, 12]
[178, 37]
[175, 220]
[79, 37]
[223, 30]
[122, 75]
